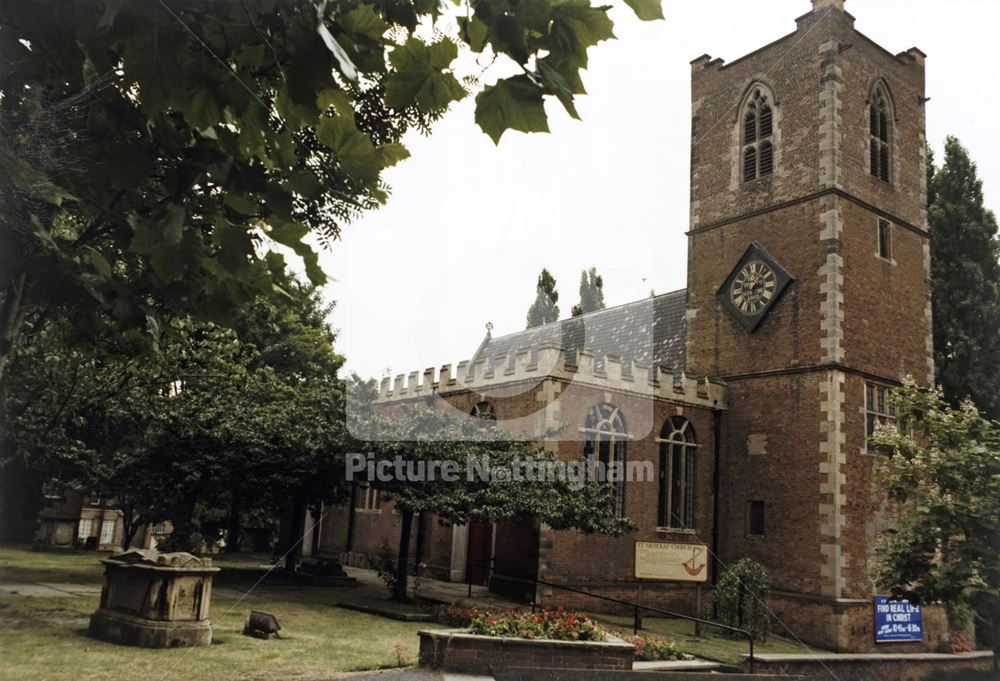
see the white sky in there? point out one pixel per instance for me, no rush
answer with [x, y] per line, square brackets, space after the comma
[469, 225]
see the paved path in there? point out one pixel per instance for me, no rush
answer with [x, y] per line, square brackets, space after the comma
[410, 675]
[48, 589]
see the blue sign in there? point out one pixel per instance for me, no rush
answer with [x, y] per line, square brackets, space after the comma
[897, 621]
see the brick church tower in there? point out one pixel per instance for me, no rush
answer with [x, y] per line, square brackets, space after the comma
[808, 287]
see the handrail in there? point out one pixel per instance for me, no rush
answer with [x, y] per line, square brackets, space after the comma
[638, 608]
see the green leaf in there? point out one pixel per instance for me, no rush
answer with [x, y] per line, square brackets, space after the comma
[99, 262]
[392, 154]
[474, 32]
[558, 86]
[111, 9]
[646, 10]
[289, 233]
[338, 99]
[172, 225]
[168, 263]
[533, 14]
[418, 76]
[576, 26]
[354, 149]
[514, 104]
[364, 21]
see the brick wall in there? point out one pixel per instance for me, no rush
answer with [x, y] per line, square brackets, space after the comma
[795, 428]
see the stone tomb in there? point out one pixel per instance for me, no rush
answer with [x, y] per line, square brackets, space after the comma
[155, 600]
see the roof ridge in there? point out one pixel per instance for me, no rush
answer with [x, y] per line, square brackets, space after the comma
[594, 312]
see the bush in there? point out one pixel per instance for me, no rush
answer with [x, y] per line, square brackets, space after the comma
[555, 625]
[654, 648]
[740, 598]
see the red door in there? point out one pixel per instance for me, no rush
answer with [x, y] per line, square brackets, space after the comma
[479, 552]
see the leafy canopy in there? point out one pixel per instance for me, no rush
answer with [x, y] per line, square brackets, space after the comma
[152, 154]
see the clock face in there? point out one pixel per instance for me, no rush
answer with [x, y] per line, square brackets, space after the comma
[753, 287]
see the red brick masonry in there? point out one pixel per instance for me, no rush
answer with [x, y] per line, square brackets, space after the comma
[875, 667]
[456, 651]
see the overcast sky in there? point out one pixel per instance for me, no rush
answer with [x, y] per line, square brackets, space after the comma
[469, 225]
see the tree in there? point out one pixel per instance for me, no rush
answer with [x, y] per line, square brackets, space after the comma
[544, 310]
[429, 438]
[965, 280]
[213, 425]
[591, 292]
[942, 468]
[151, 153]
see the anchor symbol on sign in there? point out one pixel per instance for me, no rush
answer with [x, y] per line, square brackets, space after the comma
[691, 565]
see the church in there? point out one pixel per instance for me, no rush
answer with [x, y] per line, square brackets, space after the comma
[753, 392]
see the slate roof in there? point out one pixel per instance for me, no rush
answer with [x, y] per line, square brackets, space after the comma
[652, 331]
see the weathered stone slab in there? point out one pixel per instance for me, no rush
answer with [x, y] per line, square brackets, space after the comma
[155, 600]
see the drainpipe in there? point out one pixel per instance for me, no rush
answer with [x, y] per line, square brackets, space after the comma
[349, 543]
[716, 476]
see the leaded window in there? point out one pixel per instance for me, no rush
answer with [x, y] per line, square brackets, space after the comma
[758, 134]
[677, 474]
[879, 129]
[604, 449]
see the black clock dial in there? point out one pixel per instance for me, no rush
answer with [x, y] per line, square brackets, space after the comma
[753, 287]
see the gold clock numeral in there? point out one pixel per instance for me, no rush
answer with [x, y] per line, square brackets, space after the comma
[753, 288]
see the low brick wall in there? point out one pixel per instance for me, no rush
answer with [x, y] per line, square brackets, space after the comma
[868, 667]
[464, 653]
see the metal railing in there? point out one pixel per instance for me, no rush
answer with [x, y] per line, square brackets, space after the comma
[637, 608]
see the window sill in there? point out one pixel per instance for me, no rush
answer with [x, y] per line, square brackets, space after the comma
[887, 261]
[750, 184]
[675, 530]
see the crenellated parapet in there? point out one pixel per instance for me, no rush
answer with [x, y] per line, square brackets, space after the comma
[551, 362]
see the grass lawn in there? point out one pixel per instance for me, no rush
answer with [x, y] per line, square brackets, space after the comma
[21, 564]
[709, 645]
[45, 638]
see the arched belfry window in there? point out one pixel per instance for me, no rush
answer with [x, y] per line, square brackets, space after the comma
[880, 133]
[758, 136]
[677, 470]
[604, 448]
[484, 410]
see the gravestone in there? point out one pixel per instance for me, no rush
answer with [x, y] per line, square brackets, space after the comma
[155, 600]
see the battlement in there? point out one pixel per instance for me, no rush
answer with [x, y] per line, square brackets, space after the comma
[551, 362]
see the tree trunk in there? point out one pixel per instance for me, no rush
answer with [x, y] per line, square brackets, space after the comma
[180, 536]
[130, 525]
[403, 557]
[234, 529]
[294, 534]
[13, 310]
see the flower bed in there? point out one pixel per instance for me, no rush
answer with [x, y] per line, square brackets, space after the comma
[654, 648]
[500, 638]
[557, 625]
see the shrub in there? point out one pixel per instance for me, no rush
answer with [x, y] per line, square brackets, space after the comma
[740, 598]
[654, 648]
[959, 644]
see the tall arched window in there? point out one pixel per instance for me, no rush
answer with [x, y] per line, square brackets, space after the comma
[677, 470]
[758, 136]
[604, 448]
[880, 133]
